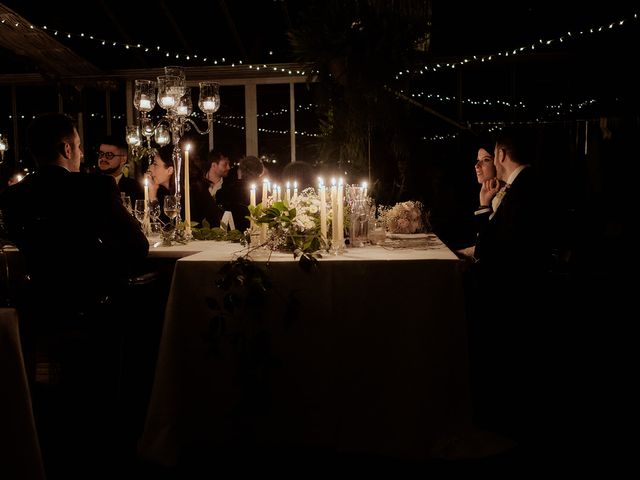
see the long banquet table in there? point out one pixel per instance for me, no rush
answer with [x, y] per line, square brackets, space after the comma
[370, 357]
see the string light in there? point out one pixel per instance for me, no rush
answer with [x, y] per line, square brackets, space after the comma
[519, 50]
[139, 46]
[566, 107]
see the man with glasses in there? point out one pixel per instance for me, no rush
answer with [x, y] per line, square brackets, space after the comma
[112, 157]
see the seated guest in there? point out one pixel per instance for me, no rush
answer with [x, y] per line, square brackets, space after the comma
[112, 157]
[300, 172]
[79, 217]
[238, 197]
[161, 179]
[79, 245]
[206, 189]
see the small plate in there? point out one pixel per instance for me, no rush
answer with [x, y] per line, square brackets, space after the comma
[407, 235]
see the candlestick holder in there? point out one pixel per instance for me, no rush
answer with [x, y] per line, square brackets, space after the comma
[174, 97]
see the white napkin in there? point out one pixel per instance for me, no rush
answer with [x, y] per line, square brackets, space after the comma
[227, 217]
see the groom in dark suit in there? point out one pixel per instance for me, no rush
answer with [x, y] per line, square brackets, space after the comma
[507, 296]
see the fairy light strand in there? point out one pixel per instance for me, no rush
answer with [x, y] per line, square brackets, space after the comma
[540, 43]
[157, 51]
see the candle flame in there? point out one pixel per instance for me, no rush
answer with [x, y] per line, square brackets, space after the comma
[187, 147]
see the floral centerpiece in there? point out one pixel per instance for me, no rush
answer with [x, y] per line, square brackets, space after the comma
[291, 226]
[404, 217]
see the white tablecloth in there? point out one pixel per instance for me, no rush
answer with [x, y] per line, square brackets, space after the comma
[367, 354]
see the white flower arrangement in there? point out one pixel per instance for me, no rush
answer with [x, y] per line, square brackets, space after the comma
[291, 226]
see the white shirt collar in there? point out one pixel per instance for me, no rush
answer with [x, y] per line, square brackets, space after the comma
[214, 187]
[515, 173]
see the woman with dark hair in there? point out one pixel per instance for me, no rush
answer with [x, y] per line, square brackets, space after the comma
[160, 176]
[486, 175]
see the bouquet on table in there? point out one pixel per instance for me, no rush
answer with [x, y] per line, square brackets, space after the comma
[404, 218]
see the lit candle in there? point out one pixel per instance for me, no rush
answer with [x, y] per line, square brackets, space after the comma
[278, 194]
[146, 191]
[295, 190]
[340, 213]
[183, 110]
[167, 102]
[287, 196]
[364, 189]
[263, 226]
[334, 214]
[323, 210]
[265, 191]
[209, 105]
[145, 104]
[252, 200]
[187, 200]
[146, 221]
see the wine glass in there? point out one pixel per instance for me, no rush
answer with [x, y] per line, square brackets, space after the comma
[154, 210]
[155, 234]
[139, 210]
[126, 201]
[171, 206]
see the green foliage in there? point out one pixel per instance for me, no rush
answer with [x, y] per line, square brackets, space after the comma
[283, 234]
[222, 233]
[358, 48]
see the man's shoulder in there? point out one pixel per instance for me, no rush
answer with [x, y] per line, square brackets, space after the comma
[92, 179]
[130, 182]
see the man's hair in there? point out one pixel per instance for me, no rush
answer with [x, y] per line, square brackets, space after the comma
[214, 156]
[299, 171]
[518, 142]
[116, 141]
[46, 135]
[251, 167]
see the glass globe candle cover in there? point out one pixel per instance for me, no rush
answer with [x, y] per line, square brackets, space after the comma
[144, 95]
[209, 100]
[133, 135]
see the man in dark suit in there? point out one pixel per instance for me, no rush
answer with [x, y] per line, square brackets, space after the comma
[77, 238]
[207, 190]
[112, 157]
[507, 294]
[79, 245]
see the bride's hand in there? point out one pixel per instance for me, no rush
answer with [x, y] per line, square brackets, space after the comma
[488, 191]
